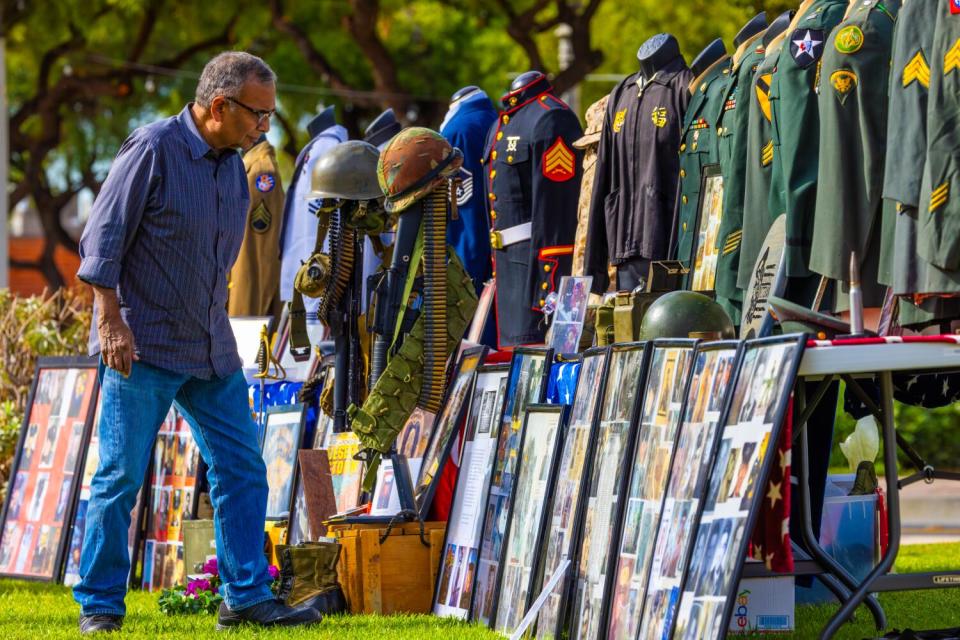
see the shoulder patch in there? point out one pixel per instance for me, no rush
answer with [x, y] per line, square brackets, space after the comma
[954, 6]
[558, 162]
[806, 46]
[939, 196]
[951, 60]
[844, 82]
[265, 182]
[849, 39]
[917, 70]
[763, 95]
[618, 120]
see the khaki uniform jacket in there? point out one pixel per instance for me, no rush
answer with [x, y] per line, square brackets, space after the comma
[698, 148]
[854, 81]
[255, 276]
[732, 123]
[589, 144]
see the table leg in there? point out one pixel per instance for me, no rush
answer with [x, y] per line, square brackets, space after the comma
[889, 435]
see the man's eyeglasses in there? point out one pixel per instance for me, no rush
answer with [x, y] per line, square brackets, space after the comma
[261, 114]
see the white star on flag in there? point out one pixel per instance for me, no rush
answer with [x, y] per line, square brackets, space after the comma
[806, 45]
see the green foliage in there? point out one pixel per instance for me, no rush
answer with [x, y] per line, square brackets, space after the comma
[176, 602]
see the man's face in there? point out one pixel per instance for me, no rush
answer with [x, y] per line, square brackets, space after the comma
[239, 125]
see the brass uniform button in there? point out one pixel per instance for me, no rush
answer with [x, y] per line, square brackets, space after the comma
[542, 302]
[694, 147]
[703, 88]
[493, 214]
[544, 286]
[546, 267]
[683, 147]
[493, 173]
[683, 199]
[494, 155]
[509, 158]
[683, 174]
[493, 196]
[505, 119]
[499, 135]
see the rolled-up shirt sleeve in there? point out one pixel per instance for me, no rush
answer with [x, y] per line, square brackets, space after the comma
[117, 211]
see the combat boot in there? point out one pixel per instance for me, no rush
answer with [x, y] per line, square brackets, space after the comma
[308, 576]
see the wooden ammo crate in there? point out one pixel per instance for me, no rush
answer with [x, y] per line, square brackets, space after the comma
[395, 576]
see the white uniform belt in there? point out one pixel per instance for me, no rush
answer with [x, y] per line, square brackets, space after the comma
[511, 235]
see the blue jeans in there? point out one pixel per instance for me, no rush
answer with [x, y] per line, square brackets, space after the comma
[218, 412]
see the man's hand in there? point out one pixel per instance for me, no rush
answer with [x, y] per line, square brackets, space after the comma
[117, 346]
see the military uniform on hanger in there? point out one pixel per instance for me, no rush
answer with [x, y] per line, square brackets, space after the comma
[732, 126]
[854, 82]
[698, 148]
[910, 79]
[589, 144]
[796, 139]
[532, 178]
[255, 277]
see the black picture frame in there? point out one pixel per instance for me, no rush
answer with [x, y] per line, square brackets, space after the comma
[53, 573]
[297, 435]
[491, 536]
[482, 393]
[555, 416]
[705, 238]
[706, 394]
[721, 580]
[446, 428]
[622, 415]
[564, 540]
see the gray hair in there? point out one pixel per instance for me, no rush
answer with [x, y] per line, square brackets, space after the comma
[226, 74]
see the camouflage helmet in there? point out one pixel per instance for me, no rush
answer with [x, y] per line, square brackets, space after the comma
[412, 164]
[348, 171]
[686, 314]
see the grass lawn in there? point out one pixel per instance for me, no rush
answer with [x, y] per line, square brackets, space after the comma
[33, 611]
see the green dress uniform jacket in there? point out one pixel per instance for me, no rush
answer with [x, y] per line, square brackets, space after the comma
[910, 81]
[854, 82]
[756, 188]
[796, 126]
[939, 217]
[254, 285]
[732, 123]
[698, 148]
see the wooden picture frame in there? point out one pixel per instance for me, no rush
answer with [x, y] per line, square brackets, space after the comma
[751, 430]
[705, 256]
[461, 543]
[445, 428]
[44, 478]
[626, 379]
[526, 385]
[536, 473]
[566, 506]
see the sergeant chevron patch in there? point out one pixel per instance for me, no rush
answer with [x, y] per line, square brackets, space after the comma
[952, 60]
[766, 154]
[939, 196]
[558, 162]
[917, 70]
[260, 219]
[464, 188]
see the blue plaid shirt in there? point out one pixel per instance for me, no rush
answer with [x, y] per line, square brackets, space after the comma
[164, 231]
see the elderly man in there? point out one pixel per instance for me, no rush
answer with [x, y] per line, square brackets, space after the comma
[164, 231]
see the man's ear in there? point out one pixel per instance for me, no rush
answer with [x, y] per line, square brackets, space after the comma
[218, 107]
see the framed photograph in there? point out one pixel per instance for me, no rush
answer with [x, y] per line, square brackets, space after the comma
[539, 452]
[171, 497]
[71, 568]
[606, 486]
[345, 470]
[462, 539]
[45, 474]
[412, 443]
[281, 441]
[667, 379]
[446, 428]
[703, 271]
[526, 385]
[571, 312]
[741, 465]
[566, 505]
[641, 559]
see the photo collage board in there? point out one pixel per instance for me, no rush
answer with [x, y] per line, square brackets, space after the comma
[538, 456]
[741, 465]
[461, 547]
[46, 471]
[172, 498]
[526, 385]
[565, 510]
[607, 485]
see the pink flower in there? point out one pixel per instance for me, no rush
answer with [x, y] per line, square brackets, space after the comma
[274, 572]
[196, 586]
[210, 566]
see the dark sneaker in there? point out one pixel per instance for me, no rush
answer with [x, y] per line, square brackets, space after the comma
[866, 480]
[100, 623]
[267, 614]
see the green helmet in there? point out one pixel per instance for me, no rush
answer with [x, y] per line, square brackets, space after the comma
[348, 172]
[413, 164]
[686, 314]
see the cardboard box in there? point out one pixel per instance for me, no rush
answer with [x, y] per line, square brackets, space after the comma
[763, 605]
